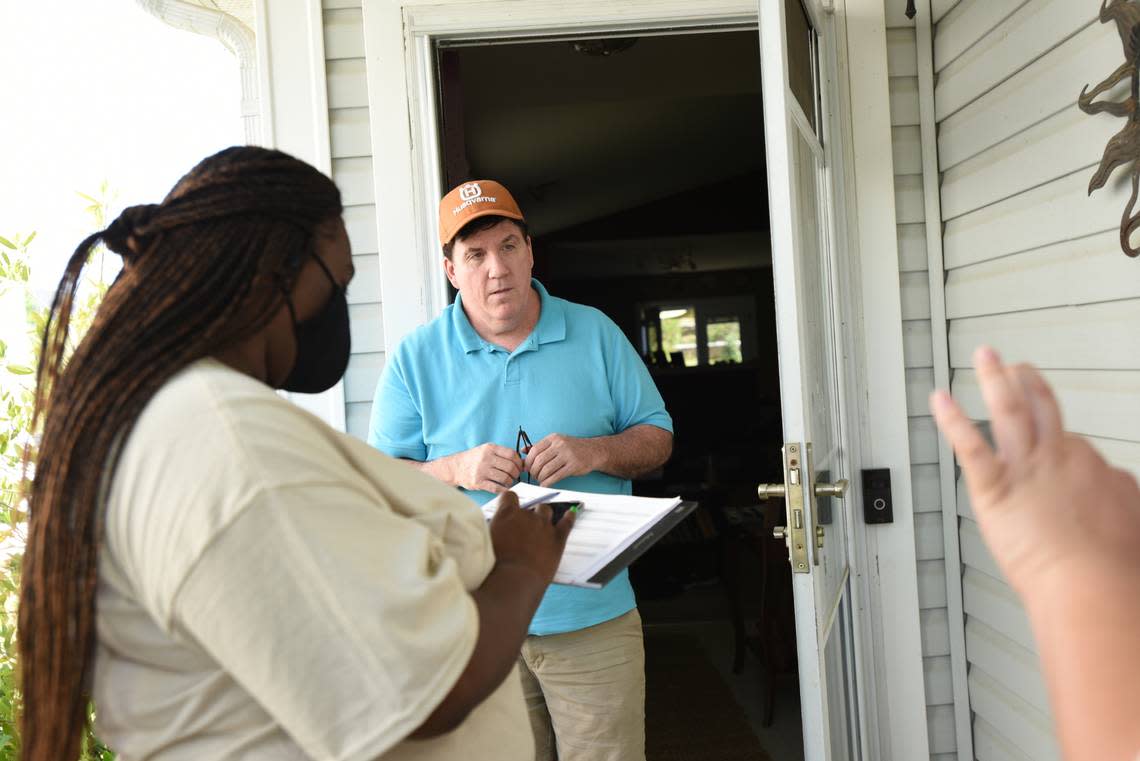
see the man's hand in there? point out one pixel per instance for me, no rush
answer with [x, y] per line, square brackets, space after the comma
[1047, 503]
[489, 467]
[557, 457]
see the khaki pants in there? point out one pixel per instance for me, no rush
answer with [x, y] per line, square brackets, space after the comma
[585, 692]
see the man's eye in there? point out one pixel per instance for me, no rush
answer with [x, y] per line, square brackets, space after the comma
[509, 247]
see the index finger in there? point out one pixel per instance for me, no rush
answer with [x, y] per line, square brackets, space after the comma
[535, 451]
[505, 452]
[1011, 416]
[1046, 411]
[564, 525]
[511, 465]
[981, 466]
[508, 503]
[543, 509]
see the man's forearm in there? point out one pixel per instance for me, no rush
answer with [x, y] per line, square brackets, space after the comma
[440, 469]
[633, 452]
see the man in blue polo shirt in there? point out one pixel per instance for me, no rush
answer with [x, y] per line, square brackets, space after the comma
[462, 397]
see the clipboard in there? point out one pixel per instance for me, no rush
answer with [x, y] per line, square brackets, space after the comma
[651, 536]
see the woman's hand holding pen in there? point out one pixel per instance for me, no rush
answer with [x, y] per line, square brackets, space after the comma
[527, 538]
[527, 551]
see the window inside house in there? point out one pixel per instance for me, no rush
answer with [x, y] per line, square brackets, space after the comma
[700, 333]
[679, 336]
[722, 336]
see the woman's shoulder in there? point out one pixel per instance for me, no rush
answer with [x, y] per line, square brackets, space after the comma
[210, 399]
[210, 417]
[208, 444]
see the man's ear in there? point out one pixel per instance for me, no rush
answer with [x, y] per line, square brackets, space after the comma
[449, 270]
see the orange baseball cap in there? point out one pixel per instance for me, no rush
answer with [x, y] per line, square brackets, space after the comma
[472, 200]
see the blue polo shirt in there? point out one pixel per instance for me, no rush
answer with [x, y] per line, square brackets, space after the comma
[446, 390]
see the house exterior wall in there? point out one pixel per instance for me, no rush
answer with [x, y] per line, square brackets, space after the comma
[1033, 267]
[350, 138]
[902, 67]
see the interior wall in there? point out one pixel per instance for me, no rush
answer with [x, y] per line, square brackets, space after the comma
[1033, 267]
[579, 137]
[902, 67]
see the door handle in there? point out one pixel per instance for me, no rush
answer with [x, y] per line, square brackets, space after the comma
[837, 489]
[770, 491]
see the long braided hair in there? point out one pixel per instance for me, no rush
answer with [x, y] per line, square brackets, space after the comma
[202, 271]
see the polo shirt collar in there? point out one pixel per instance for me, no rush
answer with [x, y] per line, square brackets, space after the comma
[551, 323]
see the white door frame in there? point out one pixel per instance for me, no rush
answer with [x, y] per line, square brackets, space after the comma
[892, 569]
[401, 89]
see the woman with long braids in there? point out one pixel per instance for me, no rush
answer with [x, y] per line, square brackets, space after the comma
[222, 573]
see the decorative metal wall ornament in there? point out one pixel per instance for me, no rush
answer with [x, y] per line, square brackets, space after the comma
[1124, 146]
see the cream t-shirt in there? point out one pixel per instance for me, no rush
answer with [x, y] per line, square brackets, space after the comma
[270, 588]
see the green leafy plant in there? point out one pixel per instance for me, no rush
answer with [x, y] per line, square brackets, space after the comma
[16, 388]
[18, 441]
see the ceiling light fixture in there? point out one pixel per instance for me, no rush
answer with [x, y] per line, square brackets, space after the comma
[603, 47]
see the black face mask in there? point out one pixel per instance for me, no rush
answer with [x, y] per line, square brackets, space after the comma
[323, 343]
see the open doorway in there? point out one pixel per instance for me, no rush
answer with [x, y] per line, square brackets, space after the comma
[639, 163]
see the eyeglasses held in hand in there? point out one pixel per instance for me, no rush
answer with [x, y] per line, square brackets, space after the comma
[522, 443]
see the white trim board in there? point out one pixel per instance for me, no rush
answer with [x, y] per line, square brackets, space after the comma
[956, 617]
[902, 718]
[291, 48]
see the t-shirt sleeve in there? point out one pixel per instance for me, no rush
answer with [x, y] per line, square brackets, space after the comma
[347, 623]
[636, 398]
[396, 426]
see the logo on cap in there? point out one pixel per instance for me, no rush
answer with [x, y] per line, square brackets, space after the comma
[470, 190]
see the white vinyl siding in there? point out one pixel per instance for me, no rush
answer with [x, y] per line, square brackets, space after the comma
[350, 137]
[1033, 267]
[902, 68]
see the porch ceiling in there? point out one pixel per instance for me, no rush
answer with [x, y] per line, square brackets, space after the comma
[242, 10]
